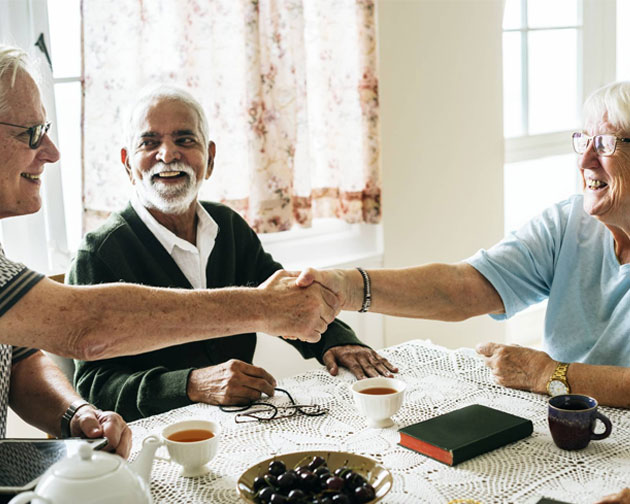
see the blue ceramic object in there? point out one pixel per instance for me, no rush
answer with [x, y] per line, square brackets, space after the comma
[572, 421]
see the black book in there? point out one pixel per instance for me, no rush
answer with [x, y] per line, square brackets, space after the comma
[464, 433]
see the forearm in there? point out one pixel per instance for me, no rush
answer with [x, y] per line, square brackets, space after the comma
[448, 292]
[40, 393]
[610, 385]
[102, 321]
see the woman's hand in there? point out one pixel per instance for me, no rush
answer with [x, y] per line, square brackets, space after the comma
[518, 367]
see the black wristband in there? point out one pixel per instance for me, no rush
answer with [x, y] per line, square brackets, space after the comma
[367, 291]
[69, 414]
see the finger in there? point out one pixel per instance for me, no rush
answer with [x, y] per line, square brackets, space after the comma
[289, 337]
[306, 278]
[113, 428]
[486, 349]
[330, 298]
[258, 372]
[312, 337]
[383, 361]
[379, 366]
[331, 362]
[87, 424]
[124, 446]
[355, 368]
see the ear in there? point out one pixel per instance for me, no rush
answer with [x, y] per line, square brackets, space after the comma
[124, 158]
[212, 152]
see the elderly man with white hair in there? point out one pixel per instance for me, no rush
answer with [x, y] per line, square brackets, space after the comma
[107, 320]
[166, 237]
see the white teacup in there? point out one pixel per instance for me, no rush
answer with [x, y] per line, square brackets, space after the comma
[190, 446]
[378, 407]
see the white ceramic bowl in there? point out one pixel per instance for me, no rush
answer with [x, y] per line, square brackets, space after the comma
[378, 409]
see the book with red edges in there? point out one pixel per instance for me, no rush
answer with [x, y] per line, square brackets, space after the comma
[464, 433]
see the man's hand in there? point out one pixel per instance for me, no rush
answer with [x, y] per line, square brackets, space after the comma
[89, 422]
[296, 312]
[622, 497]
[232, 382]
[334, 280]
[361, 361]
[518, 367]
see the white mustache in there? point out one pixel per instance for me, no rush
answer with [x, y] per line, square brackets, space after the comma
[174, 166]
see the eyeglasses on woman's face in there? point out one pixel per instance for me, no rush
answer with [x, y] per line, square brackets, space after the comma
[604, 145]
[36, 133]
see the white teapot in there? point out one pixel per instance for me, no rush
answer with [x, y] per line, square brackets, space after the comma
[95, 477]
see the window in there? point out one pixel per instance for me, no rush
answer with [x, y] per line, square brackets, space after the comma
[554, 55]
[60, 21]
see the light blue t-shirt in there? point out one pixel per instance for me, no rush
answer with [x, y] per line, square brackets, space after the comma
[567, 256]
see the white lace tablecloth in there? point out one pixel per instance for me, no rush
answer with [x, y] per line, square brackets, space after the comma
[438, 380]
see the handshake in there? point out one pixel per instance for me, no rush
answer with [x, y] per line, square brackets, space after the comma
[301, 305]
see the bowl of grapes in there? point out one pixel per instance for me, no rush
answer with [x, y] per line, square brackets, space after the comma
[315, 477]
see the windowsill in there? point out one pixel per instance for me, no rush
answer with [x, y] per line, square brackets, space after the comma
[329, 243]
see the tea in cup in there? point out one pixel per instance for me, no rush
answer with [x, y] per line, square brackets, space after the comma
[378, 399]
[572, 419]
[191, 444]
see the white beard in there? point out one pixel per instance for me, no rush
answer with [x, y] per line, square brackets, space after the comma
[169, 199]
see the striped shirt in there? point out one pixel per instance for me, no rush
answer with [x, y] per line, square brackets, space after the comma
[15, 281]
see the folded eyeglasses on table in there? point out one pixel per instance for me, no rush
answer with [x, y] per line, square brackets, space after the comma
[261, 411]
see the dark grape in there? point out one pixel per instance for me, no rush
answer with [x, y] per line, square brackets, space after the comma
[296, 495]
[341, 471]
[326, 500]
[364, 493]
[308, 480]
[288, 480]
[259, 482]
[353, 480]
[271, 480]
[340, 499]
[334, 483]
[301, 469]
[320, 471]
[316, 462]
[277, 467]
[265, 494]
[278, 498]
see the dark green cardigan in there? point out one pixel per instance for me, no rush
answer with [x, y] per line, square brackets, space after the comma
[124, 249]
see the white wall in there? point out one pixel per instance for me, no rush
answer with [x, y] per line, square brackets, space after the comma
[442, 139]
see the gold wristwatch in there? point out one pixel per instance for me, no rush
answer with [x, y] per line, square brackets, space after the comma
[558, 383]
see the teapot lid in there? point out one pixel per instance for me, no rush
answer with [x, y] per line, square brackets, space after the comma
[86, 464]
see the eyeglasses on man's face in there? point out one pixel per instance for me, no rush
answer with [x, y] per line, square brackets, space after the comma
[36, 133]
[604, 145]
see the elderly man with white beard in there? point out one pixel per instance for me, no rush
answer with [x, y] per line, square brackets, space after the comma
[166, 237]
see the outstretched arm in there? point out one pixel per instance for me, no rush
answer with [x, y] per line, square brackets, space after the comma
[448, 292]
[97, 322]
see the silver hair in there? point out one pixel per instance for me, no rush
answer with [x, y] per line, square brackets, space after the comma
[611, 102]
[12, 60]
[165, 92]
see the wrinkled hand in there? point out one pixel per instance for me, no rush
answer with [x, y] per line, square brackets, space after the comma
[232, 382]
[361, 361]
[297, 312]
[334, 280]
[622, 497]
[89, 422]
[518, 367]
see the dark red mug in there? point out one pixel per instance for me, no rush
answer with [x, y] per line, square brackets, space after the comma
[572, 419]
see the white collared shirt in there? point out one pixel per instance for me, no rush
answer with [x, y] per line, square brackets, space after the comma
[192, 260]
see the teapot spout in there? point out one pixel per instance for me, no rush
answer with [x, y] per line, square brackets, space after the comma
[144, 461]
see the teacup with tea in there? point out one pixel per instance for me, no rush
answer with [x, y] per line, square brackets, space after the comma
[572, 419]
[378, 399]
[191, 444]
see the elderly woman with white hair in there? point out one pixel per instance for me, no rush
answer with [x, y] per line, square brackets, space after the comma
[576, 255]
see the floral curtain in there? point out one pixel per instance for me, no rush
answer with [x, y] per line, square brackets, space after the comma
[290, 88]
